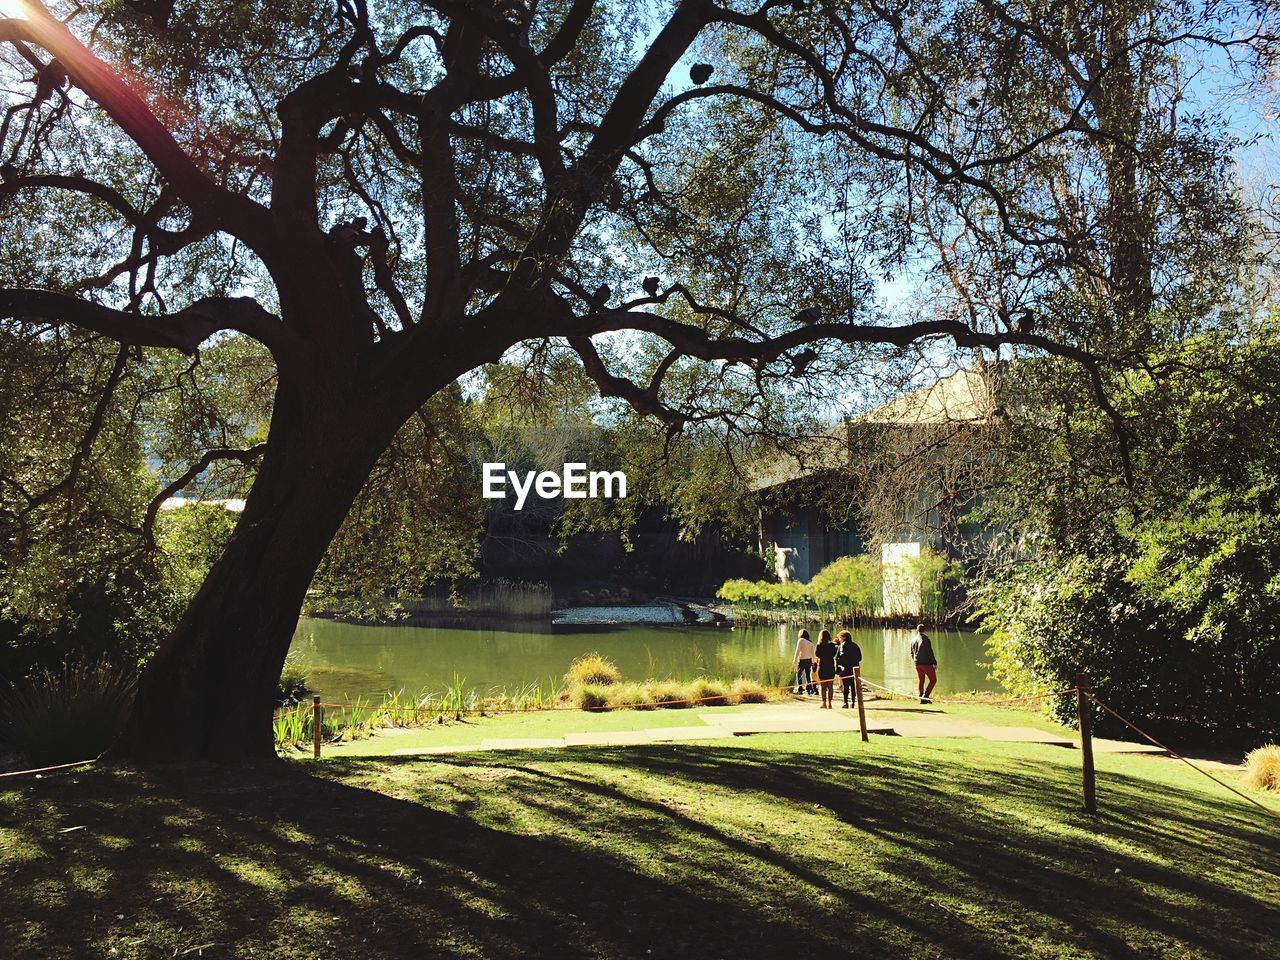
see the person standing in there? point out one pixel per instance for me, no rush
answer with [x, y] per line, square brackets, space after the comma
[802, 661]
[848, 656]
[926, 663]
[825, 654]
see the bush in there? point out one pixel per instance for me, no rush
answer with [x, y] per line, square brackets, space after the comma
[591, 697]
[592, 669]
[668, 694]
[634, 695]
[708, 693]
[748, 691]
[1262, 768]
[67, 716]
[293, 686]
[850, 587]
[1054, 618]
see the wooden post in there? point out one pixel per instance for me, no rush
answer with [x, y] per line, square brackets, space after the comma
[1086, 746]
[316, 725]
[857, 692]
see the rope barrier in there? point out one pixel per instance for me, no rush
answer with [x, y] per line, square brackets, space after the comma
[38, 770]
[653, 704]
[870, 683]
[689, 701]
[916, 696]
[1173, 753]
[648, 704]
[492, 711]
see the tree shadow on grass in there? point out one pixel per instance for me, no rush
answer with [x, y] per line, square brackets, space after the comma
[290, 865]
[614, 853]
[1089, 881]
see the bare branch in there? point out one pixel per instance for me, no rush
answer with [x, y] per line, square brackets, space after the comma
[197, 468]
[643, 400]
[132, 115]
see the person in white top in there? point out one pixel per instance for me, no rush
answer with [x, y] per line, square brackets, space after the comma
[802, 660]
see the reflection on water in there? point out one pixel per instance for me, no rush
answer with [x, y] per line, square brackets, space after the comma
[348, 660]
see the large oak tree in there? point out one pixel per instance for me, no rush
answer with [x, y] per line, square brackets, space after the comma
[693, 200]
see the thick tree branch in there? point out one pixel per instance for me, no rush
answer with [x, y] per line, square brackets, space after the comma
[559, 46]
[695, 342]
[184, 330]
[565, 209]
[643, 400]
[100, 191]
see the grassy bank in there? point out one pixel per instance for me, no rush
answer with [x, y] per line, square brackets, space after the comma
[592, 684]
[770, 846]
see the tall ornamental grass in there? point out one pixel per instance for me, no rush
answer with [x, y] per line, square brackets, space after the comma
[68, 715]
[591, 669]
[1262, 768]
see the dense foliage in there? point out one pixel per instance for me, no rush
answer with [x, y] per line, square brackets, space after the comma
[850, 589]
[344, 212]
[1166, 594]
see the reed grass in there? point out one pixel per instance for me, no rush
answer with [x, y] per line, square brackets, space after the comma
[514, 599]
[668, 694]
[591, 669]
[634, 696]
[1262, 768]
[708, 693]
[292, 725]
[589, 696]
[69, 715]
[746, 690]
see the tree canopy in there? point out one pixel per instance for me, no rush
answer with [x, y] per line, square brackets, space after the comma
[694, 203]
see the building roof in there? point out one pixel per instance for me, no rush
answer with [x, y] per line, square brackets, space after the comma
[967, 396]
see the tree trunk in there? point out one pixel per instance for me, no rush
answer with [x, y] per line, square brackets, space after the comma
[209, 692]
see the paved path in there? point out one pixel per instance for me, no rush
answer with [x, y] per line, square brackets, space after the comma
[886, 717]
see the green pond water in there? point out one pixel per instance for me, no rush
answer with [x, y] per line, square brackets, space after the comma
[349, 661]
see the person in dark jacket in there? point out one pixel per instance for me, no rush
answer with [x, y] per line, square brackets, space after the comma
[848, 656]
[825, 654]
[926, 663]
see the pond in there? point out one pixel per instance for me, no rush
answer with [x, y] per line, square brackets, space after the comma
[349, 661]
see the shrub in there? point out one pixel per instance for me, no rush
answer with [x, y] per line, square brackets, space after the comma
[634, 695]
[1262, 768]
[592, 669]
[293, 686]
[748, 691]
[67, 716]
[668, 694]
[591, 697]
[708, 693]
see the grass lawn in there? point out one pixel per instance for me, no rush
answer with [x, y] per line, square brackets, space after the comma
[556, 723]
[791, 846]
[544, 723]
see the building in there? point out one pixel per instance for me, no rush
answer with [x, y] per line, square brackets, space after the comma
[929, 446]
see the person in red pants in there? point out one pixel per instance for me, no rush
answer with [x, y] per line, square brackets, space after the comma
[926, 663]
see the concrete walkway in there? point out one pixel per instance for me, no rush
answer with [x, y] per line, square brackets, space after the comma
[800, 715]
